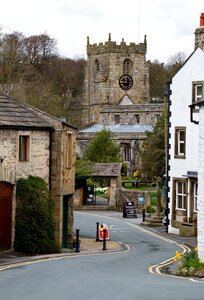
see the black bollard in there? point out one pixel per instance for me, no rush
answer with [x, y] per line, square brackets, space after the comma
[143, 215]
[104, 239]
[77, 241]
[97, 231]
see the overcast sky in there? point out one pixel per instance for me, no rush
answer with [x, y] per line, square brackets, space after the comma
[168, 24]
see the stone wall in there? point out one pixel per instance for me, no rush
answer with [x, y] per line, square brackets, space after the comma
[38, 163]
[11, 169]
[63, 177]
[199, 37]
[131, 114]
[63, 156]
[124, 195]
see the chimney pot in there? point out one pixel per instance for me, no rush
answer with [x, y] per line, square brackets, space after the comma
[202, 19]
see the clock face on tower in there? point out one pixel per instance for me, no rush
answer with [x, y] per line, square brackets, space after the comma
[125, 82]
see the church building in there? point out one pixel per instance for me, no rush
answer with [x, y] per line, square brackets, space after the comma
[116, 96]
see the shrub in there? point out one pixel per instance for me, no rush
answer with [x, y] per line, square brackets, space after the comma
[191, 259]
[35, 228]
[188, 261]
[150, 209]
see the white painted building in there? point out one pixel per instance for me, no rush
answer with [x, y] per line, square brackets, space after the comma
[183, 142]
[200, 183]
[186, 144]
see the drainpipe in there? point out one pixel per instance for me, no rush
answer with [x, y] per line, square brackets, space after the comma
[50, 158]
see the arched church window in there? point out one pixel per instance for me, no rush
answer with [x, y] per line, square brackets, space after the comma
[127, 66]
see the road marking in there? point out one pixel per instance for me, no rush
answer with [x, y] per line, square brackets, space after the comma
[114, 228]
[193, 280]
[63, 256]
[155, 269]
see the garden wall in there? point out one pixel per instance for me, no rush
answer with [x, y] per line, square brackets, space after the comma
[124, 195]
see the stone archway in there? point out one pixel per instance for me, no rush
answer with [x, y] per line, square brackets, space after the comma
[112, 172]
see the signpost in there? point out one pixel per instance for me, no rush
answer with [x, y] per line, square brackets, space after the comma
[129, 210]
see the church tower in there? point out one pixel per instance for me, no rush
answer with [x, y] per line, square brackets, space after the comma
[115, 75]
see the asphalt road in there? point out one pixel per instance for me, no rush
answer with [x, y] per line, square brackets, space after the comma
[118, 276]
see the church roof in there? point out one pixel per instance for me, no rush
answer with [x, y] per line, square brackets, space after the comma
[140, 128]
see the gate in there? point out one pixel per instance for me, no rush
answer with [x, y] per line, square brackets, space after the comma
[5, 215]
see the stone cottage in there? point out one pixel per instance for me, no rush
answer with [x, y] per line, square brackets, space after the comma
[35, 143]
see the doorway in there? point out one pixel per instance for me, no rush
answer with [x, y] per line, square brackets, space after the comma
[65, 222]
[6, 190]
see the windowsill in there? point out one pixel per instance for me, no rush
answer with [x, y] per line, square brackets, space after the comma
[180, 157]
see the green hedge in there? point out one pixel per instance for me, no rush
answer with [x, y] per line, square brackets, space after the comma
[35, 226]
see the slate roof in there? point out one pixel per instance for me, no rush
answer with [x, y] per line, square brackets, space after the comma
[140, 128]
[14, 113]
[107, 169]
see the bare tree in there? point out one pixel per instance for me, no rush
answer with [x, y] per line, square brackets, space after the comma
[38, 49]
[175, 62]
[11, 49]
[158, 77]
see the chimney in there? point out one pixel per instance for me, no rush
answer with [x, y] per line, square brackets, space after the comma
[199, 33]
[201, 19]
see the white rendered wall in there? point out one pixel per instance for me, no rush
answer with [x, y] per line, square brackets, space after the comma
[201, 186]
[181, 98]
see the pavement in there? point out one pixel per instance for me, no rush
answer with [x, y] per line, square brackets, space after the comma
[90, 246]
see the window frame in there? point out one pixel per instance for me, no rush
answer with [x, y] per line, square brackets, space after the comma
[195, 86]
[195, 196]
[127, 66]
[69, 151]
[182, 194]
[23, 148]
[178, 143]
[137, 118]
[126, 152]
[117, 119]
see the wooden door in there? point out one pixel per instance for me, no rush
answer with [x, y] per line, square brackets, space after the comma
[5, 215]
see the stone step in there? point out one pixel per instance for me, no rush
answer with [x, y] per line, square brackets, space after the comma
[151, 220]
[93, 207]
[157, 217]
